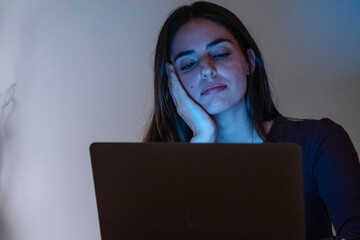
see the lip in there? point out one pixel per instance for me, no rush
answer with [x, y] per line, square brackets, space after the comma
[213, 88]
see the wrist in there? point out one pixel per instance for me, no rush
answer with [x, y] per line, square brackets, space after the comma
[204, 137]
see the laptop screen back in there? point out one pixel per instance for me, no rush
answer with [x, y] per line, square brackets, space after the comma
[198, 191]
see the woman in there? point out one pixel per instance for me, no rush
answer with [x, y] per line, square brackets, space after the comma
[211, 86]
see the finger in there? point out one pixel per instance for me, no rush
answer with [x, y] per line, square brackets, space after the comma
[174, 80]
[175, 87]
[167, 66]
[178, 94]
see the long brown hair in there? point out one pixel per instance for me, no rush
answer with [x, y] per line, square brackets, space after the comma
[166, 124]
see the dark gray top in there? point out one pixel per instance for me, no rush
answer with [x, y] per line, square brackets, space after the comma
[331, 171]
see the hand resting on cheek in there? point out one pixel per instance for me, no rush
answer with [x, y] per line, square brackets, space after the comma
[199, 121]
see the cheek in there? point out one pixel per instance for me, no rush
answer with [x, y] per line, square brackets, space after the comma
[189, 83]
[236, 72]
[236, 68]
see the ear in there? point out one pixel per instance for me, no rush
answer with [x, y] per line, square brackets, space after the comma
[250, 68]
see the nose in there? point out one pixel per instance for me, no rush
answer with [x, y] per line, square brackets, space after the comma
[208, 69]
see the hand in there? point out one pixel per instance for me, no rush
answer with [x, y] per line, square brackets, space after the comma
[199, 121]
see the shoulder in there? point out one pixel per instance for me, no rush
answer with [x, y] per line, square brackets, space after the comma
[313, 136]
[317, 138]
[290, 128]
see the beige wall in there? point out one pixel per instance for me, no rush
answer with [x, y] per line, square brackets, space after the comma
[83, 73]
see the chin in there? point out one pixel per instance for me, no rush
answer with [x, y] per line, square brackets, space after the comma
[223, 105]
[216, 109]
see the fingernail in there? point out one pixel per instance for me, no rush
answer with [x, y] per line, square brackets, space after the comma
[170, 65]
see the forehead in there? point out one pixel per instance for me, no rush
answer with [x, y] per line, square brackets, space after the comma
[197, 33]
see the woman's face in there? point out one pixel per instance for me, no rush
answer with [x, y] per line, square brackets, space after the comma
[210, 65]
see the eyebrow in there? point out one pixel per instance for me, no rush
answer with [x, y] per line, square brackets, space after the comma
[184, 53]
[217, 41]
[209, 45]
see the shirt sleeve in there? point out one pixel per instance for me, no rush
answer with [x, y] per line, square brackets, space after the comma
[337, 176]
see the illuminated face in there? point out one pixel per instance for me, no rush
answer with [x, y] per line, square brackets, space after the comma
[210, 65]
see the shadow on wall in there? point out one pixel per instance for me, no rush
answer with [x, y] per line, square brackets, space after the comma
[7, 104]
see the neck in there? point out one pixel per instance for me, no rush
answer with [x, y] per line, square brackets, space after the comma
[233, 126]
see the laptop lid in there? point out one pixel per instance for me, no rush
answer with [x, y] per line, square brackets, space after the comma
[198, 191]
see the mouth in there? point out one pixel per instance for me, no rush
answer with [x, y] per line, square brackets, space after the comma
[213, 89]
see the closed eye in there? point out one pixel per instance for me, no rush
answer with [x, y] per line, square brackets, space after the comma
[221, 56]
[188, 66]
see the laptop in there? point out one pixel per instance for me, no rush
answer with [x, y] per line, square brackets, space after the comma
[198, 191]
